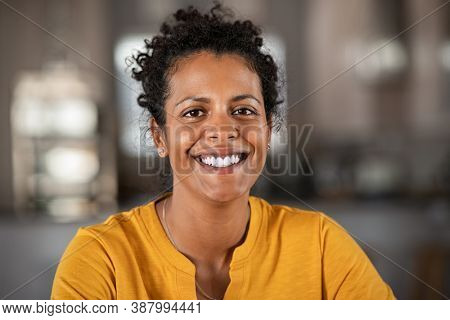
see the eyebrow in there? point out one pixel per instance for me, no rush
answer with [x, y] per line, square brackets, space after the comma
[206, 100]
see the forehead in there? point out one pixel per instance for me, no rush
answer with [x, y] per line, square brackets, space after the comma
[209, 73]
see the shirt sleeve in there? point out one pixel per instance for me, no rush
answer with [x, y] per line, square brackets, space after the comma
[347, 271]
[85, 270]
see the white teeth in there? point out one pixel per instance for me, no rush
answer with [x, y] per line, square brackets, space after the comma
[219, 162]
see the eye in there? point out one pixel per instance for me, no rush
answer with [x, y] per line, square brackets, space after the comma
[194, 113]
[244, 111]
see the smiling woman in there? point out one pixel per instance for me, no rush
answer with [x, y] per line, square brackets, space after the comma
[213, 97]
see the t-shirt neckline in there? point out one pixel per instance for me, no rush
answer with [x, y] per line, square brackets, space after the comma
[181, 262]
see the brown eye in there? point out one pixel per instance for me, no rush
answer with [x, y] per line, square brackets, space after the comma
[244, 112]
[193, 113]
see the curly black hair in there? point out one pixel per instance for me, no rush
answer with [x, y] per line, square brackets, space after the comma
[192, 32]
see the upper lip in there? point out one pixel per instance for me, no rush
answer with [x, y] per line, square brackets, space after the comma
[219, 152]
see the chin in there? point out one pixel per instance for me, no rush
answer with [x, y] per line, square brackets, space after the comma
[222, 194]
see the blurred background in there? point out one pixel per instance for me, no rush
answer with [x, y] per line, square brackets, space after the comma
[370, 77]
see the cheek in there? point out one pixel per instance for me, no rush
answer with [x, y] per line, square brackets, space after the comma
[255, 135]
[181, 139]
[257, 138]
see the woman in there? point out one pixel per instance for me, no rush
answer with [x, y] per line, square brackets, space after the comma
[213, 98]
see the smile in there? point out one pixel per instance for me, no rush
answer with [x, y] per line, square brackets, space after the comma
[222, 162]
[219, 162]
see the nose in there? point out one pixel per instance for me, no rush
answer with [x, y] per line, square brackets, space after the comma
[221, 128]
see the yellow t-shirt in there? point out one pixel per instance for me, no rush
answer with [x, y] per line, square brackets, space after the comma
[288, 254]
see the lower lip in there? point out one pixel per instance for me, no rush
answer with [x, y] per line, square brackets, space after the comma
[222, 170]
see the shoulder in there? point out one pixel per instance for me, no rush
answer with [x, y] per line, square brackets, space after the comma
[290, 222]
[335, 243]
[116, 227]
[88, 265]
[289, 215]
[101, 240]
[304, 223]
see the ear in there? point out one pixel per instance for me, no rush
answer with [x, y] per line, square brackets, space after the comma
[158, 137]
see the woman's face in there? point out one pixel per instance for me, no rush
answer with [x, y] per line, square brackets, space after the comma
[216, 128]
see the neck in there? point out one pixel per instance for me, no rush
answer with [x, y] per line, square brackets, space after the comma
[206, 231]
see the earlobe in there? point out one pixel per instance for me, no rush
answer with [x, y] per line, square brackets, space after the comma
[162, 152]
